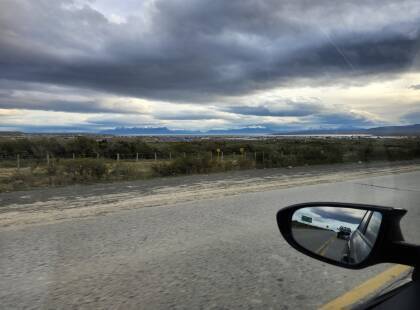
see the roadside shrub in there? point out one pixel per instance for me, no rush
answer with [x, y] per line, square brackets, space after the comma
[18, 181]
[126, 171]
[52, 169]
[86, 168]
[184, 166]
[199, 165]
[245, 163]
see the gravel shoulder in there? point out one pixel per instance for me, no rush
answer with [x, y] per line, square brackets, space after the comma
[58, 204]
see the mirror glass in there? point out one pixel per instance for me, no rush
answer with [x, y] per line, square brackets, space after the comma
[345, 235]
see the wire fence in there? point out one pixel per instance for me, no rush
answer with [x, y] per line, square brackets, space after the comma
[21, 160]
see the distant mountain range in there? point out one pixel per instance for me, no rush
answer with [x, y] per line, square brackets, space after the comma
[410, 130]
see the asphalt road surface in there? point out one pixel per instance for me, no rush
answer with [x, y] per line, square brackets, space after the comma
[320, 241]
[222, 252]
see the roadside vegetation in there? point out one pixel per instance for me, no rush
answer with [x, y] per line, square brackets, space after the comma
[41, 162]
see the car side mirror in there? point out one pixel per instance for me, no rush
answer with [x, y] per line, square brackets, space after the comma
[347, 235]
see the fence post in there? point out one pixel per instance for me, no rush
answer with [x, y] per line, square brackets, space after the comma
[255, 156]
[48, 159]
[118, 156]
[211, 155]
[97, 155]
[222, 155]
[18, 161]
[263, 159]
[137, 156]
[170, 155]
[185, 155]
[74, 156]
[155, 156]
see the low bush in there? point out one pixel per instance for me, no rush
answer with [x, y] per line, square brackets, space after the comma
[184, 166]
[85, 169]
[199, 165]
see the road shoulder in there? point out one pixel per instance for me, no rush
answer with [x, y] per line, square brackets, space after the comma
[21, 209]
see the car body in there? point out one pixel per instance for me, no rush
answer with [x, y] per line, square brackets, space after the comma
[343, 233]
[377, 239]
[362, 240]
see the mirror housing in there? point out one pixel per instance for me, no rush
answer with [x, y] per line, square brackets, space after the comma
[388, 248]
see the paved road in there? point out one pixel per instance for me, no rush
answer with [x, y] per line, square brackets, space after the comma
[320, 241]
[334, 249]
[218, 253]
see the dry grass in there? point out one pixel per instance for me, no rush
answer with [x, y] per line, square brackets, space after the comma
[60, 173]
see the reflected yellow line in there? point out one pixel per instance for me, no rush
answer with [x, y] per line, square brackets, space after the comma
[324, 246]
[366, 288]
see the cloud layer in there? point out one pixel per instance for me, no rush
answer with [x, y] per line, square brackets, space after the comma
[99, 57]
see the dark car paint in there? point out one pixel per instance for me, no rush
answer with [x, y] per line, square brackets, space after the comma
[359, 245]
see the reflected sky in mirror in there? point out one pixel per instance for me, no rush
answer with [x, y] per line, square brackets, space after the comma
[329, 217]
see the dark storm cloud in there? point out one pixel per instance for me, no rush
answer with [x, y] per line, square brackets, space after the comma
[36, 96]
[188, 116]
[309, 112]
[342, 118]
[350, 216]
[55, 129]
[416, 87]
[198, 50]
[61, 106]
[113, 122]
[290, 109]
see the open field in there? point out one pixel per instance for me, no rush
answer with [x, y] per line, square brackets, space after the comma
[35, 174]
[46, 162]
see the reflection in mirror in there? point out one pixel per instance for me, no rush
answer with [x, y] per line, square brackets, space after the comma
[345, 235]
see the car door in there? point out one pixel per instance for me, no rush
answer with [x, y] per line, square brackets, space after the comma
[358, 245]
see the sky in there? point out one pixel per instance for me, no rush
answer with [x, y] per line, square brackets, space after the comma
[91, 65]
[331, 216]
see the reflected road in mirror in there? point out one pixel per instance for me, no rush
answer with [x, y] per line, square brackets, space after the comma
[345, 235]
